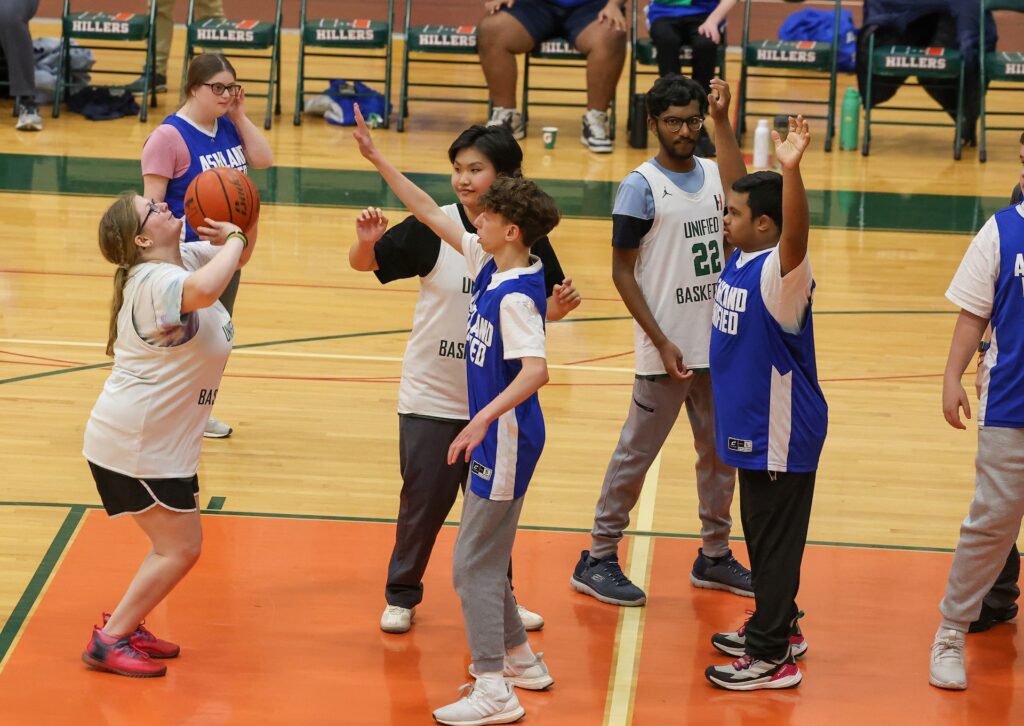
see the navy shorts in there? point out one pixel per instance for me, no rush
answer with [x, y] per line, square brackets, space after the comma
[545, 19]
[123, 494]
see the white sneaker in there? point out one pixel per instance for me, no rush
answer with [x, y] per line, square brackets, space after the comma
[531, 621]
[533, 676]
[396, 619]
[595, 132]
[29, 119]
[216, 429]
[477, 708]
[510, 119]
[947, 668]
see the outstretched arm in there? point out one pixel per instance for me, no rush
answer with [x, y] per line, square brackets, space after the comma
[730, 159]
[418, 201]
[796, 218]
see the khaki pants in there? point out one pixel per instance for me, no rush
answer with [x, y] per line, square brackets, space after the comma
[165, 26]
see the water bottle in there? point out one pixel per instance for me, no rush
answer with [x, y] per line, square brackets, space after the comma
[762, 142]
[638, 131]
[848, 129]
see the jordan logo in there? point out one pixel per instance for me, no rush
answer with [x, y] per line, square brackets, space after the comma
[665, 193]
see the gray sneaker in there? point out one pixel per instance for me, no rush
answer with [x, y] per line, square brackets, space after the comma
[721, 573]
[29, 118]
[159, 84]
[595, 132]
[604, 580]
[217, 429]
[510, 119]
[947, 666]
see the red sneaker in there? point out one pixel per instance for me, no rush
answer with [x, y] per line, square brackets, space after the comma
[120, 657]
[148, 643]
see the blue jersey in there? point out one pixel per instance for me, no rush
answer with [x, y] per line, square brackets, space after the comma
[678, 9]
[1004, 405]
[223, 149]
[770, 413]
[503, 463]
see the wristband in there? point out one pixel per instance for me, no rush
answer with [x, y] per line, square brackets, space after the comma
[241, 236]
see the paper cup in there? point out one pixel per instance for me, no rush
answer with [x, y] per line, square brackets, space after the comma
[550, 135]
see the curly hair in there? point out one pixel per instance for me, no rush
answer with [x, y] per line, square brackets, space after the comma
[674, 89]
[524, 204]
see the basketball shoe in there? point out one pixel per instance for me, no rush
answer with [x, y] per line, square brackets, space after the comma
[510, 119]
[721, 573]
[397, 619]
[148, 643]
[533, 676]
[735, 643]
[532, 621]
[947, 666]
[118, 655]
[753, 674]
[595, 134]
[480, 706]
[216, 429]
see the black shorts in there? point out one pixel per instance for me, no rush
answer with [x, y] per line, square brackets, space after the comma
[544, 19]
[128, 495]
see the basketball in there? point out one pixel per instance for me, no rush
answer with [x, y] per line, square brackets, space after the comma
[223, 194]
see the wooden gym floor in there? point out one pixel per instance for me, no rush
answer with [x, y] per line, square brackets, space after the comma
[279, 619]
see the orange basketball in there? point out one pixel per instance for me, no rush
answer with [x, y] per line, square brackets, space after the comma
[223, 194]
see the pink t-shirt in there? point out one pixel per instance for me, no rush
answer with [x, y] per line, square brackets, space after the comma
[165, 153]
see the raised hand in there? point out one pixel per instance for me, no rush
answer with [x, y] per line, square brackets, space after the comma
[790, 150]
[495, 5]
[362, 136]
[718, 100]
[370, 225]
[237, 108]
[216, 233]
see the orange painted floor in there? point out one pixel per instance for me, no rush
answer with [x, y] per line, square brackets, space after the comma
[278, 624]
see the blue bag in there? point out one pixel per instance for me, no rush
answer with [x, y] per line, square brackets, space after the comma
[811, 24]
[347, 94]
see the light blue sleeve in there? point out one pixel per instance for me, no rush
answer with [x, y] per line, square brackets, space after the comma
[634, 198]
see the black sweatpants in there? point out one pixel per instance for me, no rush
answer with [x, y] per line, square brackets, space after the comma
[1005, 591]
[669, 35]
[775, 508]
[429, 488]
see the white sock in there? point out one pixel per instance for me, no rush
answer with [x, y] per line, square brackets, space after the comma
[492, 682]
[522, 653]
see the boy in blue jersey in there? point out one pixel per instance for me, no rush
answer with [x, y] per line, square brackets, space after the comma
[506, 366]
[989, 289]
[770, 413]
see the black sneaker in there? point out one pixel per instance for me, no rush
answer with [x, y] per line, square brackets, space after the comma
[721, 573]
[604, 580]
[752, 674]
[705, 146]
[992, 616]
[158, 83]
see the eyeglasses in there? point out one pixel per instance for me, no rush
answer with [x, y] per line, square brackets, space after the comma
[674, 123]
[153, 207]
[218, 89]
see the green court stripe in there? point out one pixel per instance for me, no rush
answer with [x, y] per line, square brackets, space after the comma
[59, 371]
[42, 574]
[875, 211]
[216, 503]
[527, 527]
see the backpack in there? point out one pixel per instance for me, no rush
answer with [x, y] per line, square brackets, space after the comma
[811, 24]
[347, 94]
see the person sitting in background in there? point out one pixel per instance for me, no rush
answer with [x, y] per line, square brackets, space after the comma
[696, 23]
[165, 31]
[597, 29]
[16, 42]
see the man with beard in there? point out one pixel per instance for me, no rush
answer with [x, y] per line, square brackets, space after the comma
[667, 255]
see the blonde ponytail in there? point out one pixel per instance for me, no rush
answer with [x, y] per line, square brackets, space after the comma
[118, 228]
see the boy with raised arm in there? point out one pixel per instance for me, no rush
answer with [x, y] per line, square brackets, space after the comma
[506, 366]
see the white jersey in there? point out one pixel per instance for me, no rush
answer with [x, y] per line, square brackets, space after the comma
[680, 261]
[434, 366]
[148, 422]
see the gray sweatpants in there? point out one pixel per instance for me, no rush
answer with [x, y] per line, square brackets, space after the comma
[480, 571]
[991, 526]
[16, 42]
[655, 408]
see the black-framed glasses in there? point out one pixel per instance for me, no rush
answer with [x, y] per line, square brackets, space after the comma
[218, 89]
[674, 123]
[153, 207]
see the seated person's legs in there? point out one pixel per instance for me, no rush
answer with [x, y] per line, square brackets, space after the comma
[605, 49]
[502, 35]
[16, 42]
[668, 39]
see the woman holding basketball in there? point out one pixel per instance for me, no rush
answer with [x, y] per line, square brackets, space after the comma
[210, 130]
[432, 398]
[170, 337]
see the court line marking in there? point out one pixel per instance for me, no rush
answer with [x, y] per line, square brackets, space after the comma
[630, 631]
[525, 527]
[40, 582]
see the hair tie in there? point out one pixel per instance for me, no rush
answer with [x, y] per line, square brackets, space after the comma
[124, 266]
